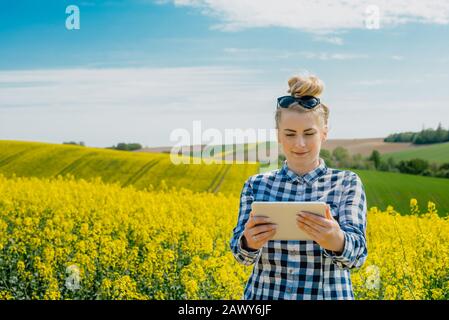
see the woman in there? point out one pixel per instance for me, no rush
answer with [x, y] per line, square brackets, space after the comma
[317, 269]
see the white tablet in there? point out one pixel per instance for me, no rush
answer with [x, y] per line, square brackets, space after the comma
[283, 213]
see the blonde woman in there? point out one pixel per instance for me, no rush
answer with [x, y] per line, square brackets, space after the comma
[298, 270]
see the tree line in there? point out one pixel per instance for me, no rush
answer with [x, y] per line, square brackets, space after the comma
[340, 158]
[120, 146]
[126, 146]
[425, 136]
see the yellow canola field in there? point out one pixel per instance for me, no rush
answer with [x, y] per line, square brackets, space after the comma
[62, 238]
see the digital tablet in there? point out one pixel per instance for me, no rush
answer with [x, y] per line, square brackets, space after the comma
[283, 213]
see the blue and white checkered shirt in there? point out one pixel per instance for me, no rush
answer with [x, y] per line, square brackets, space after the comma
[296, 270]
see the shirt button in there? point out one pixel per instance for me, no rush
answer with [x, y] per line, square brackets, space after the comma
[290, 271]
[289, 290]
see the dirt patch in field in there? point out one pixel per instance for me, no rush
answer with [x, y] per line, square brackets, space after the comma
[366, 146]
[354, 146]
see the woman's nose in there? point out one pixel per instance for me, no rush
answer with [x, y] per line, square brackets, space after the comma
[300, 142]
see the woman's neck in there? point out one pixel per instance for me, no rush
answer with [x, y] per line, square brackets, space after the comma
[301, 170]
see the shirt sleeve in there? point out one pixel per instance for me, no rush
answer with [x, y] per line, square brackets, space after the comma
[352, 220]
[243, 255]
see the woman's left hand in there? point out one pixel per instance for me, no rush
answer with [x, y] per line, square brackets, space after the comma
[323, 230]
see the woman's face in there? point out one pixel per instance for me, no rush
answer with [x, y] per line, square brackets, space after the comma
[301, 136]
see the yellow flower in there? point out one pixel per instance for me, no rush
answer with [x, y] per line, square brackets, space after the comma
[20, 266]
[73, 239]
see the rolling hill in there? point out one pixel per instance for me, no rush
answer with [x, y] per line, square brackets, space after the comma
[125, 168]
[396, 189]
[438, 153]
[142, 169]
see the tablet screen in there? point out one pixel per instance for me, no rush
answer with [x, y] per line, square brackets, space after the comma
[283, 213]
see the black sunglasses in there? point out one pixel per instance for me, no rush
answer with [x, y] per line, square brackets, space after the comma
[308, 102]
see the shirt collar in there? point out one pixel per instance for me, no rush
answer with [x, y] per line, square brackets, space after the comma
[308, 177]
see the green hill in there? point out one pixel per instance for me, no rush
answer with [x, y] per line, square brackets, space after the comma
[396, 189]
[125, 168]
[438, 153]
[142, 169]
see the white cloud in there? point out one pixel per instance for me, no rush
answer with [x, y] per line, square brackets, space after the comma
[160, 89]
[397, 58]
[329, 39]
[394, 82]
[436, 75]
[237, 51]
[255, 53]
[332, 56]
[376, 82]
[317, 16]
[106, 106]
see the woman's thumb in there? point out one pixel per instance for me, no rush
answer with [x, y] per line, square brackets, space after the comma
[328, 213]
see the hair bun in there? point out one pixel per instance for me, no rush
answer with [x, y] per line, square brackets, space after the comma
[305, 86]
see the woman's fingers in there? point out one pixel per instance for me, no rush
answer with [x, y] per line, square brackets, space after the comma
[250, 222]
[315, 219]
[328, 213]
[309, 230]
[256, 220]
[303, 224]
[263, 236]
[263, 228]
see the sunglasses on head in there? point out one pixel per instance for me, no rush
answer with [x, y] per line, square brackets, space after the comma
[308, 102]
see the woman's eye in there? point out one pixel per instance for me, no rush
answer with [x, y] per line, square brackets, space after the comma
[290, 135]
[310, 134]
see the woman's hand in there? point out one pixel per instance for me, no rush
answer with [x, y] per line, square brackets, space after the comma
[324, 231]
[258, 230]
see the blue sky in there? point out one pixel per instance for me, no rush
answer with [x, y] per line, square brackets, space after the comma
[136, 70]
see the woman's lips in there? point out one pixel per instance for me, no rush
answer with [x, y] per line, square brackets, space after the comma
[299, 154]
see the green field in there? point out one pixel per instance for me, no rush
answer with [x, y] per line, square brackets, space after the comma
[125, 168]
[396, 189]
[144, 169]
[438, 153]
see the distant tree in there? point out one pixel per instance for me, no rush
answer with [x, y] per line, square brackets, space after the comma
[127, 146]
[444, 166]
[341, 155]
[383, 166]
[81, 143]
[375, 157]
[122, 146]
[327, 157]
[134, 146]
[440, 134]
[358, 162]
[443, 171]
[425, 136]
[413, 166]
[400, 137]
[392, 165]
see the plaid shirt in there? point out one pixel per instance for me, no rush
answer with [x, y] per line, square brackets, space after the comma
[296, 270]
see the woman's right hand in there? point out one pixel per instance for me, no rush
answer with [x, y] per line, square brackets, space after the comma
[258, 230]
